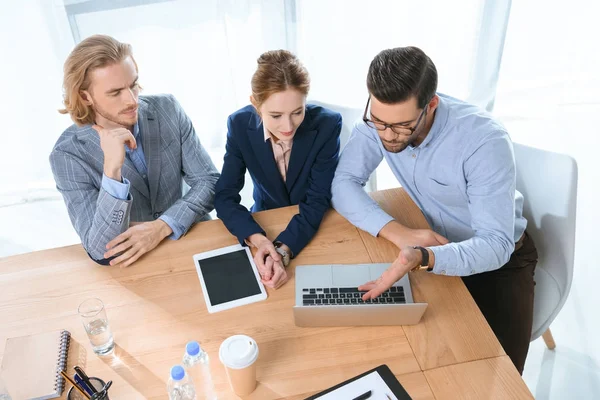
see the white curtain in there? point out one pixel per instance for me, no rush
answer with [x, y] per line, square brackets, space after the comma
[337, 39]
[34, 41]
[203, 52]
[548, 98]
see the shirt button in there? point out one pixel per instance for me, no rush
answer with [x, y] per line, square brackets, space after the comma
[414, 155]
[443, 272]
[145, 176]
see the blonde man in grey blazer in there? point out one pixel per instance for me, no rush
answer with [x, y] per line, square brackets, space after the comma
[121, 166]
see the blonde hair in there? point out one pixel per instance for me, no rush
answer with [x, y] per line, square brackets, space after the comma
[277, 71]
[94, 52]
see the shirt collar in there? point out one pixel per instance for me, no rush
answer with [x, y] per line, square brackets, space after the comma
[286, 144]
[136, 131]
[136, 136]
[439, 122]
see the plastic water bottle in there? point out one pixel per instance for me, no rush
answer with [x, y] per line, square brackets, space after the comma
[180, 386]
[4, 395]
[197, 365]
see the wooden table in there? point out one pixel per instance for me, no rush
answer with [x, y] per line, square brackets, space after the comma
[156, 306]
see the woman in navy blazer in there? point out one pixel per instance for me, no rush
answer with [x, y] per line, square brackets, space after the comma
[291, 150]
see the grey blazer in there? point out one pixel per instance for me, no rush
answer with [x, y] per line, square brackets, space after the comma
[173, 152]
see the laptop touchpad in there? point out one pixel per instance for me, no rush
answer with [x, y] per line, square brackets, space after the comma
[350, 275]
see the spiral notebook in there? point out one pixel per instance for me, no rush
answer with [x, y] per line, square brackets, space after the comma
[31, 365]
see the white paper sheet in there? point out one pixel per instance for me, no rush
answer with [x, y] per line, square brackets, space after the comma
[373, 382]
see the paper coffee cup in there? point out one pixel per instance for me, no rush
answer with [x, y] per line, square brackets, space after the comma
[238, 354]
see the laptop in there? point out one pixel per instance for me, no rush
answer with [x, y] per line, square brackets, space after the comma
[328, 295]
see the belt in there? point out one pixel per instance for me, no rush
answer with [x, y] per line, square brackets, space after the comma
[519, 242]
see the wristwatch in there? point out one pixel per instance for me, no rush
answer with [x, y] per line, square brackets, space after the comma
[285, 256]
[424, 260]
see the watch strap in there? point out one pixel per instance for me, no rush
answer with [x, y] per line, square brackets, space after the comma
[424, 259]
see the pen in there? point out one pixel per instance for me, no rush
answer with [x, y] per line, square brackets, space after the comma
[83, 385]
[102, 394]
[85, 379]
[363, 396]
[75, 385]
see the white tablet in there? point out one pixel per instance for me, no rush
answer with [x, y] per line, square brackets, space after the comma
[229, 278]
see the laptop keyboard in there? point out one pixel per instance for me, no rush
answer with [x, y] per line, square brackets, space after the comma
[349, 297]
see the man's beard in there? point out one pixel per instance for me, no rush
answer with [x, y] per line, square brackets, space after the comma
[116, 119]
[397, 146]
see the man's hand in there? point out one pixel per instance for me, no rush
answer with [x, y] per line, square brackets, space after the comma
[112, 142]
[136, 241]
[277, 272]
[402, 236]
[408, 259]
[265, 248]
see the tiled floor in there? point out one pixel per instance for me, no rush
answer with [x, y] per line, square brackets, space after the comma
[572, 371]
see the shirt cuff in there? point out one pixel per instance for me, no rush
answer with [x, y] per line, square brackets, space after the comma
[444, 257]
[175, 226]
[118, 190]
[376, 221]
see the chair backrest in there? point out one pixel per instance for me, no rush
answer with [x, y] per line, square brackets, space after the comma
[548, 182]
[349, 117]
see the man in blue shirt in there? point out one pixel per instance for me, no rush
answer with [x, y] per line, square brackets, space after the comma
[457, 164]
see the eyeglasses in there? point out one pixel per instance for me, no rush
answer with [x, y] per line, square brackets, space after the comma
[396, 128]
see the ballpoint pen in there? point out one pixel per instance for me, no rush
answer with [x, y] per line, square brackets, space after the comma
[75, 385]
[85, 379]
[82, 384]
[363, 396]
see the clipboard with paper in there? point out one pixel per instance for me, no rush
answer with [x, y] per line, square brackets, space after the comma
[380, 381]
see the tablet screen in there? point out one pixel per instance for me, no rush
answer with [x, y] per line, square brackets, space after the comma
[228, 277]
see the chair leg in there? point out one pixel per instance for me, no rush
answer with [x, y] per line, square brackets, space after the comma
[548, 339]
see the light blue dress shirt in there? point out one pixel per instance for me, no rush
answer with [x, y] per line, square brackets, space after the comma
[462, 177]
[120, 190]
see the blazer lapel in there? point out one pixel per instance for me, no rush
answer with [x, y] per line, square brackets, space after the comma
[151, 143]
[135, 178]
[94, 153]
[303, 141]
[264, 153]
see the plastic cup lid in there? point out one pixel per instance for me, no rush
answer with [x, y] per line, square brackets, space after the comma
[238, 351]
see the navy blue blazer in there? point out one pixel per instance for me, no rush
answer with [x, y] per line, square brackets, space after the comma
[311, 168]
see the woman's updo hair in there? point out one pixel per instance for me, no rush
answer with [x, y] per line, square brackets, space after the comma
[277, 71]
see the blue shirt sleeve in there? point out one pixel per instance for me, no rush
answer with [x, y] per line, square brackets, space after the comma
[491, 183]
[118, 190]
[175, 226]
[359, 159]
